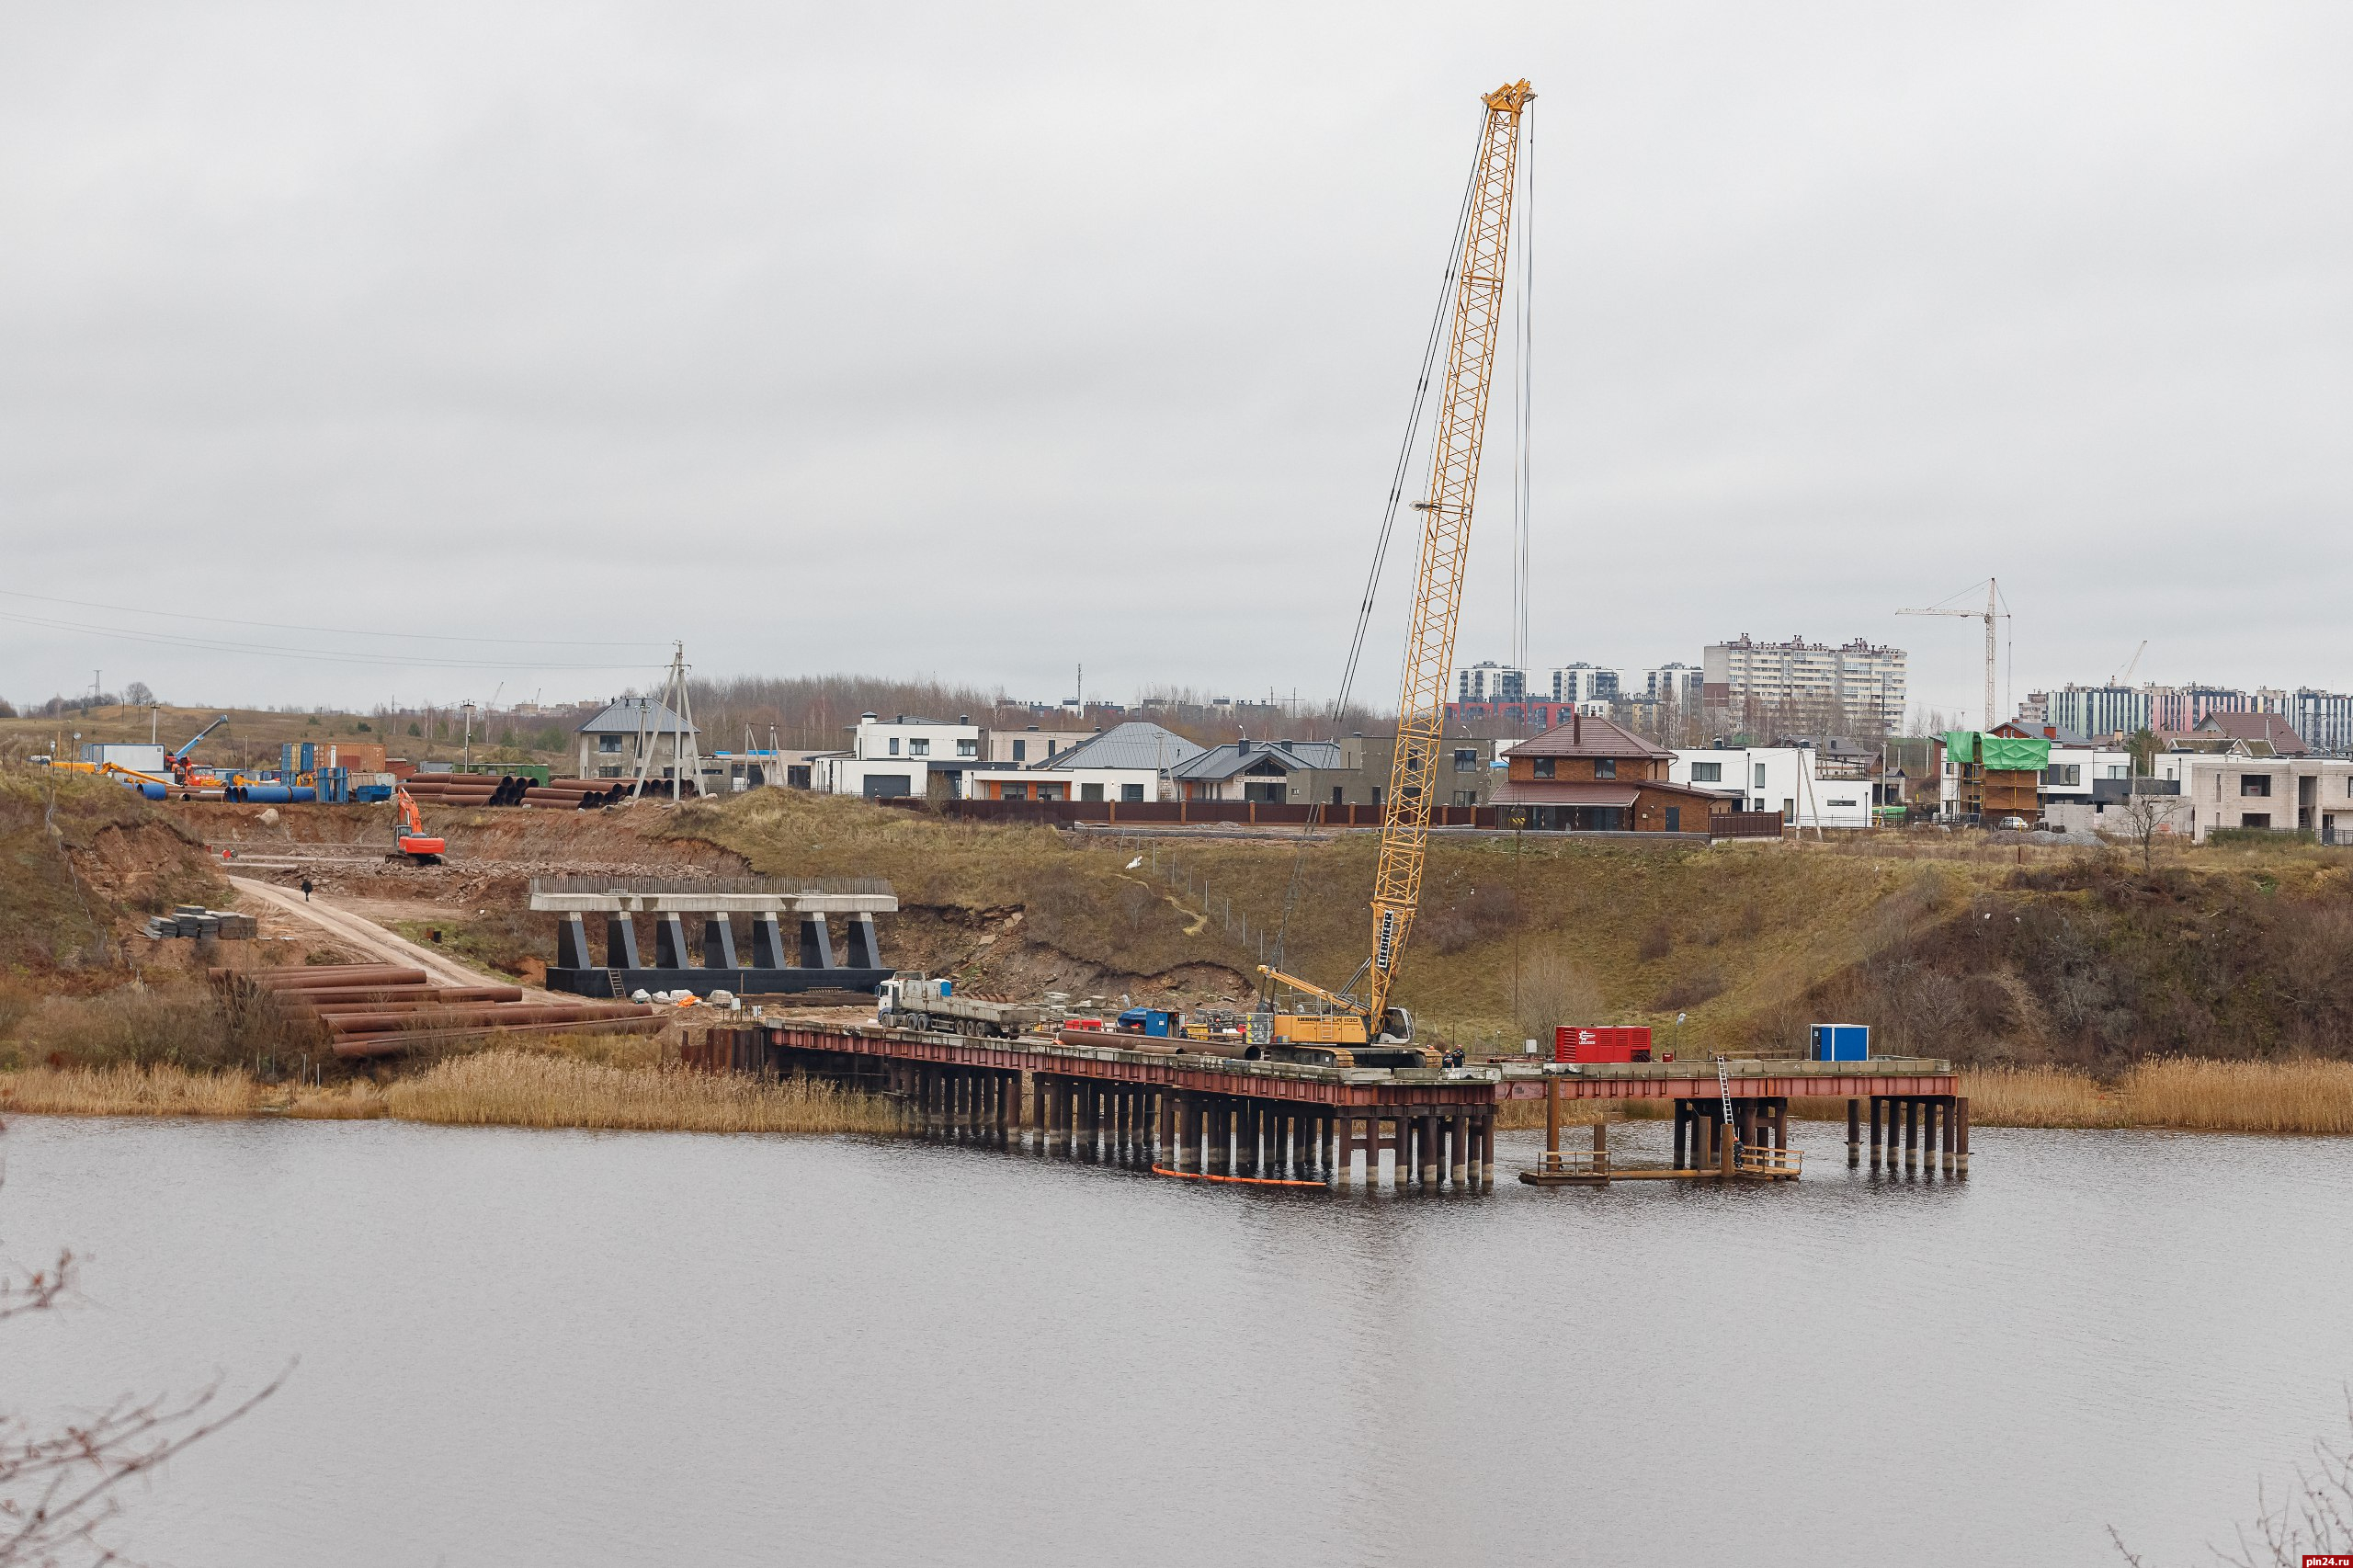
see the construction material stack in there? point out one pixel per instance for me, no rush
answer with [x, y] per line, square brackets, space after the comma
[513, 789]
[195, 920]
[363, 1010]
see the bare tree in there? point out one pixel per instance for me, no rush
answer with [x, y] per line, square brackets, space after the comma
[2314, 1520]
[2143, 816]
[58, 1488]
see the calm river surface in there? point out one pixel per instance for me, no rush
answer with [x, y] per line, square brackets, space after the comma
[535, 1348]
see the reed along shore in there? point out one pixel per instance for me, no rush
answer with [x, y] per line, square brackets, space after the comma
[492, 1088]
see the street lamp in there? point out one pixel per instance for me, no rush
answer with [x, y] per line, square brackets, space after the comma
[466, 766]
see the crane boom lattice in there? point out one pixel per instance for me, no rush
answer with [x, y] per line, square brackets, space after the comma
[1446, 537]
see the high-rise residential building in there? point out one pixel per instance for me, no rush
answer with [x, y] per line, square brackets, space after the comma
[2324, 719]
[1857, 685]
[1586, 683]
[2099, 712]
[1676, 682]
[2177, 709]
[1488, 681]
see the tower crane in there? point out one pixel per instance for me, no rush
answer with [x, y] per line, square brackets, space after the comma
[1358, 1015]
[1991, 613]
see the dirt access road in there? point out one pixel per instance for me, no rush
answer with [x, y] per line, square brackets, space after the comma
[373, 939]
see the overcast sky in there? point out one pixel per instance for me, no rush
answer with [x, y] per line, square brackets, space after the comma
[984, 341]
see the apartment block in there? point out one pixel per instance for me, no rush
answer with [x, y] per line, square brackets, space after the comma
[1861, 681]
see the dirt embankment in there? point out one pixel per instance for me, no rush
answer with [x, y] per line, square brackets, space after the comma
[1012, 915]
[85, 863]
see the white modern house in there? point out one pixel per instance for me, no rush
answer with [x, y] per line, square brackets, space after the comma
[2074, 772]
[890, 758]
[1792, 780]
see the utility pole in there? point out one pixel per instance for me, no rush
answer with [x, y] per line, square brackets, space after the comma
[467, 756]
[685, 755]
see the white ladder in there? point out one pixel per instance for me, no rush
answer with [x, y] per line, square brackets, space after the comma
[1723, 1087]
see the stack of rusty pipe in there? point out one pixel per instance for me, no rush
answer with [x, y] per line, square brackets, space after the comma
[383, 1009]
[511, 789]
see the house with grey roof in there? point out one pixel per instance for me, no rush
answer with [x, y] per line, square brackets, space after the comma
[1127, 762]
[1259, 770]
[625, 728]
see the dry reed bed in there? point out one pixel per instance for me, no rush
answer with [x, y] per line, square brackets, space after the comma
[129, 1090]
[514, 1088]
[498, 1088]
[2187, 1094]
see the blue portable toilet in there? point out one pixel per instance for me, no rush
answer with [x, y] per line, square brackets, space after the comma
[1842, 1042]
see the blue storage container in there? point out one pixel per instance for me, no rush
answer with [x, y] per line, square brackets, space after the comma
[1842, 1042]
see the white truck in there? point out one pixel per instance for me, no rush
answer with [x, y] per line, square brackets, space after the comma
[912, 1002]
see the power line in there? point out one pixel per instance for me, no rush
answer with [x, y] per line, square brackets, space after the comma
[324, 656]
[333, 630]
[1405, 448]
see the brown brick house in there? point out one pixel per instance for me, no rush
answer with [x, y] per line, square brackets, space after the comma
[1592, 776]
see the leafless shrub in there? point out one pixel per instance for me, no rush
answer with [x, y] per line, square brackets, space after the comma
[58, 1488]
[2315, 1519]
[185, 1026]
[1482, 915]
[1555, 989]
[1656, 943]
[1690, 988]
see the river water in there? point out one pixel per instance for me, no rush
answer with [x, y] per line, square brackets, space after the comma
[536, 1347]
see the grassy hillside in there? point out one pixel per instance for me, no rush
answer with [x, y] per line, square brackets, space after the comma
[1981, 954]
[1947, 946]
[1734, 937]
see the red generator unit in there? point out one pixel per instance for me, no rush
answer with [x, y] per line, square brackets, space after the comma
[1602, 1042]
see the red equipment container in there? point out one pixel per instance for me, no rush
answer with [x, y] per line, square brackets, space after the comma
[1602, 1042]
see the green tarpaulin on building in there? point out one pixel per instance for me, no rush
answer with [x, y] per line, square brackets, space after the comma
[2000, 753]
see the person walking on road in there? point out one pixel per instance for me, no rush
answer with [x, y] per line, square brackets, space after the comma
[306, 889]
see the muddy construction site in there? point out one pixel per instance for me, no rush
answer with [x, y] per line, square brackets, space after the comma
[475, 904]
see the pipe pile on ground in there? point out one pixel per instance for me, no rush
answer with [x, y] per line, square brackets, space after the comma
[385, 1009]
[513, 789]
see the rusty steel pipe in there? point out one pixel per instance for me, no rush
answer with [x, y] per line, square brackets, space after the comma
[470, 993]
[394, 1044]
[490, 1014]
[385, 976]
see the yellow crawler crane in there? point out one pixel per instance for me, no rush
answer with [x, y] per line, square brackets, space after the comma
[1350, 1027]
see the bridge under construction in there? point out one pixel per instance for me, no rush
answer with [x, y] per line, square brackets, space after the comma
[1214, 1117]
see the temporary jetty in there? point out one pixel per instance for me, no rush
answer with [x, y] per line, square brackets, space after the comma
[1219, 1115]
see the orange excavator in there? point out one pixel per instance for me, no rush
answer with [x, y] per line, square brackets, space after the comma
[408, 833]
